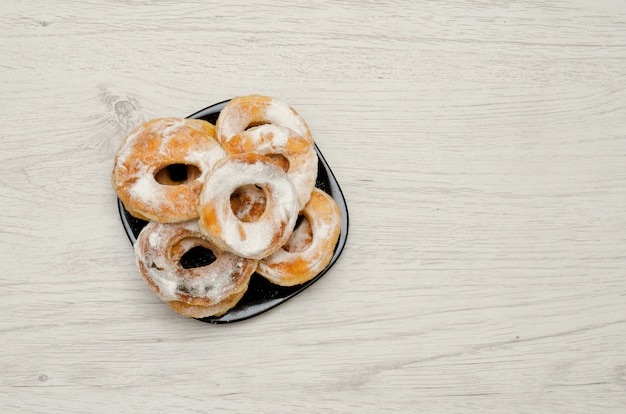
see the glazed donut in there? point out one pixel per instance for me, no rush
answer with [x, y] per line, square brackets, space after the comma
[243, 112]
[252, 239]
[147, 162]
[292, 151]
[310, 247]
[199, 291]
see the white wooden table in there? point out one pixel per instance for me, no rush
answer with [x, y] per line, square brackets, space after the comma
[481, 147]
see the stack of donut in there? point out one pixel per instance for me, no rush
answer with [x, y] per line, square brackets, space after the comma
[243, 189]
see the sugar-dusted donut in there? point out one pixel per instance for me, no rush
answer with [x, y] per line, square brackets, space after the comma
[198, 291]
[310, 247]
[295, 154]
[252, 239]
[160, 168]
[244, 112]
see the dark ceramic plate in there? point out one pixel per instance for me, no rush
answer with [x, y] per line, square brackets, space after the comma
[261, 295]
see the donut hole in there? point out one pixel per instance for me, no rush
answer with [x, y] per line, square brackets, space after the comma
[256, 124]
[280, 160]
[248, 202]
[198, 256]
[176, 174]
[301, 238]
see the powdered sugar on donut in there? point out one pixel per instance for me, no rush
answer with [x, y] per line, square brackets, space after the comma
[159, 249]
[154, 146]
[255, 239]
[281, 113]
[242, 112]
[172, 126]
[270, 139]
[145, 190]
[301, 237]
[288, 267]
[303, 174]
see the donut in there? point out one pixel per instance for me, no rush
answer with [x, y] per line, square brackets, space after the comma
[202, 291]
[160, 168]
[295, 154]
[311, 246]
[251, 239]
[243, 112]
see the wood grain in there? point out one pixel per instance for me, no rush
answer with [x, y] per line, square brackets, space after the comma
[481, 147]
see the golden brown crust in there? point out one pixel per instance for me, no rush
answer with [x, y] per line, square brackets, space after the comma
[302, 260]
[159, 250]
[150, 149]
[199, 311]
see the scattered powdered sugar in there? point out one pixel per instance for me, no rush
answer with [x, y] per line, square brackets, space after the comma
[155, 240]
[260, 137]
[170, 126]
[281, 113]
[145, 189]
[206, 159]
[215, 281]
[232, 120]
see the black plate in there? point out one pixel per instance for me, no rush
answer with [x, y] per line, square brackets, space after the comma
[262, 295]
